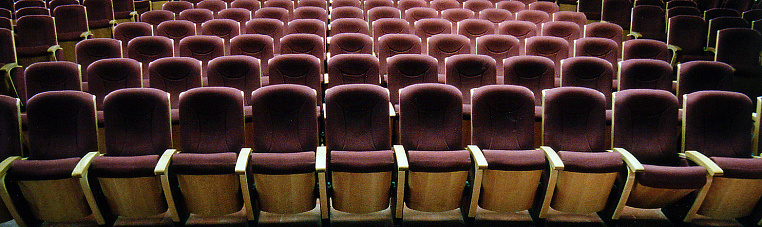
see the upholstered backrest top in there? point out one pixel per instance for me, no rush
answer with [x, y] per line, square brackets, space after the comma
[61, 125]
[284, 119]
[502, 117]
[212, 120]
[717, 123]
[645, 122]
[431, 117]
[574, 119]
[137, 122]
[357, 118]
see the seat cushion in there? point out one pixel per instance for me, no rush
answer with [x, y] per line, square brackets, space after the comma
[515, 160]
[746, 168]
[42, 169]
[591, 162]
[672, 177]
[123, 167]
[282, 163]
[439, 161]
[204, 164]
[362, 161]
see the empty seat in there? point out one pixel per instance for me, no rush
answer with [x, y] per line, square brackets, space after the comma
[498, 47]
[720, 23]
[346, 12]
[576, 17]
[569, 31]
[385, 26]
[475, 28]
[685, 37]
[712, 13]
[351, 43]
[513, 6]
[91, 50]
[306, 26]
[213, 5]
[349, 25]
[353, 69]
[534, 72]
[648, 23]
[126, 31]
[419, 13]
[310, 12]
[197, 16]
[176, 6]
[302, 69]
[370, 4]
[239, 72]
[610, 31]
[124, 11]
[393, 44]
[409, 69]
[645, 48]
[426, 28]
[442, 5]
[27, 3]
[175, 75]
[239, 15]
[477, 5]
[108, 75]
[52, 76]
[468, 71]
[251, 5]
[31, 11]
[269, 27]
[202, 47]
[341, 3]
[71, 27]
[682, 10]
[313, 3]
[590, 72]
[752, 15]
[602, 48]
[12, 83]
[591, 8]
[254, 45]
[445, 45]
[554, 48]
[535, 16]
[645, 74]
[548, 7]
[618, 12]
[100, 17]
[36, 40]
[285, 4]
[404, 5]
[496, 15]
[703, 75]
[304, 44]
[382, 12]
[155, 17]
[223, 28]
[519, 29]
[176, 30]
[456, 15]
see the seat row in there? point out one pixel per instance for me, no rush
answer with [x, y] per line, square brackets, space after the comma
[213, 177]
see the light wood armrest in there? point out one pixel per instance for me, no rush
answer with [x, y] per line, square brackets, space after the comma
[553, 159]
[401, 156]
[712, 168]
[478, 157]
[5, 165]
[10, 66]
[85, 34]
[710, 49]
[757, 122]
[134, 13]
[52, 49]
[632, 163]
[675, 51]
[112, 22]
[392, 113]
[321, 157]
[162, 167]
[243, 161]
[635, 35]
[81, 168]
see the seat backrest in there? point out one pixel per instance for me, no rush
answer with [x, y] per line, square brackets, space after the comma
[99, 10]
[202, 47]
[502, 117]
[648, 20]
[175, 75]
[617, 12]
[223, 28]
[306, 26]
[703, 75]
[645, 74]
[155, 17]
[534, 72]
[431, 117]
[7, 49]
[175, 7]
[591, 8]
[349, 25]
[357, 118]
[520, 29]
[710, 14]
[589, 72]
[137, 122]
[285, 4]
[111, 74]
[573, 119]
[578, 18]
[52, 76]
[426, 28]
[269, 27]
[752, 15]
[605, 30]
[302, 69]
[176, 30]
[467, 71]
[284, 118]
[213, 5]
[569, 31]
[548, 7]
[721, 23]
[125, 31]
[251, 5]
[602, 48]
[680, 3]
[409, 69]
[346, 12]
[10, 112]
[310, 12]
[34, 31]
[312, 3]
[27, 3]
[513, 6]
[382, 12]
[351, 43]
[444, 45]
[645, 123]
[123, 8]
[212, 120]
[535, 16]
[254, 45]
[34, 10]
[687, 32]
[303, 44]
[237, 71]
[739, 46]
[385, 26]
[393, 44]
[442, 5]
[659, 3]
[474, 28]
[418, 13]
[341, 3]
[239, 15]
[498, 47]
[91, 50]
[551, 47]
[273, 13]
[405, 5]
[353, 69]
[496, 15]
[71, 22]
[717, 123]
[197, 16]
[645, 48]
[61, 124]
[456, 15]
[370, 4]
[683, 10]
[477, 5]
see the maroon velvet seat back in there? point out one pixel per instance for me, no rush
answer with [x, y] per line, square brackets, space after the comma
[385, 26]
[513, 6]
[535, 16]
[467, 71]
[31, 11]
[382, 12]
[393, 44]
[285, 4]
[534, 72]
[496, 15]
[717, 123]
[34, 35]
[605, 30]
[574, 119]
[456, 15]
[342, 3]
[306, 26]
[578, 18]
[349, 25]
[645, 74]
[145, 49]
[498, 47]
[370, 4]
[223, 28]
[212, 120]
[310, 12]
[126, 31]
[683, 11]
[739, 46]
[346, 12]
[444, 45]
[589, 72]
[99, 12]
[405, 5]
[703, 75]
[418, 13]
[477, 5]
[645, 48]
[519, 29]
[27, 3]
[176, 30]
[591, 8]
[239, 72]
[269, 27]
[602, 48]
[304, 44]
[202, 47]
[503, 117]
[302, 69]
[617, 12]
[213, 5]
[155, 17]
[197, 16]
[646, 124]
[71, 22]
[239, 15]
[175, 75]
[123, 9]
[52, 76]
[284, 119]
[107, 75]
[721, 23]
[91, 50]
[474, 28]
[688, 33]
[442, 5]
[254, 45]
[649, 21]
[61, 125]
[251, 5]
[353, 69]
[551, 47]
[426, 28]
[175, 7]
[312, 3]
[10, 130]
[351, 43]
[431, 117]
[548, 7]
[273, 13]
[358, 118]
[137, 122]
[720, 12]
[566, 30]
[409, 69]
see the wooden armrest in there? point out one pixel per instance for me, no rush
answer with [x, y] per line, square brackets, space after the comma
[10, 66]
[401, 158]
[635, 35]
[553, 159]
[757, 124]
[711, 50]
[5, 165]
[81, 168]
[712, 168]
[134, 13]
[392, 113]
[325, 78]
[112, 22]
[162, 167]
[478, 157]
[54, 48]
[321, 157]
[632, 163]
[86, 34]
[675, 51]
[243, 161]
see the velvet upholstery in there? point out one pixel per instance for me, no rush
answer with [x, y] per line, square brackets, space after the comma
[534, 72]
[306, 26]
[251, 5]
[445, 45]
[71, 22]
[300, 69]
[502, 118]
[574, 119]
[351, 43]
[254, 45]
[430, 118]
[606, 30]
[353, 69]
[498, 47]
[126, 31]
[155, 17]
[342, 12]
[52, 76]
[196, 15]
[566, 30]
[146, 49]
[602, 48]
[535, 16]
[519, 29]
[100, 13]
[239, 15]
[239, 72]
[721, 23]
[108, 75]
[548, 7]
[213, 5]
[393, 44]
[578, 18]
[477, 5]
[269, 27]
[426, 28]
[10, 144]
[382, 12]
[554, 48]
[474, 28]
[496, 15]
[223, 28]
[717, 124]
[409, 69]
[703, 75]
[418, 13]
[649, 21]
[645, 48]
[175, 75]
[468, 71]
[34, 35]
[175, 7]
[442, 5]
[689, 34]
[273, 13]
[91, 50]
[310, 12]
[513, 6]
[349, 25]
[645, 74]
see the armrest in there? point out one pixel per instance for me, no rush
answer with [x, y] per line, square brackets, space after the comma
[392, 113]
[86, 34]
[243, 161]
[112, 22]
[712, 168]
[81, 168]
[711, 50]
[6, 164]
[324, 112]
[675, 50]
[553, 159]
[401, 157]
[134, 13]
[325, 78]
[321, 157]
[54, 48]
[635, 35]
[10, 66]
[478, 157]
[162, 167]
[632, 163]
